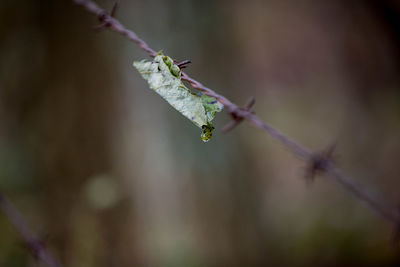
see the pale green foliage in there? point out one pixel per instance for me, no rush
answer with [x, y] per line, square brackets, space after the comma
[164, 77]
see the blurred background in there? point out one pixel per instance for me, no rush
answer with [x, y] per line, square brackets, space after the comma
[108, 174]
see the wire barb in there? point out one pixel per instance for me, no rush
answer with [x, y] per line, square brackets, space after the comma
[236, 118]
[103, 17]
[318, 162]
[114, 8]
[183, 64]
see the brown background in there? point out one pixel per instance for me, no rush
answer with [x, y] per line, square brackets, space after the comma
[109, 174]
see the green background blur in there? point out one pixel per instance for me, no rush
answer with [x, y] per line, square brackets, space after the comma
[108, 174]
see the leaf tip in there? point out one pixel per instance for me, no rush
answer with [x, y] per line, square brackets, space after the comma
[206, 133]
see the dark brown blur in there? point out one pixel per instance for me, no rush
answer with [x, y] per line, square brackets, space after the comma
[108, 174]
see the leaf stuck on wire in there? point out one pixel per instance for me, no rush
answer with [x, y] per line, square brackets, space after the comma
[164, 77]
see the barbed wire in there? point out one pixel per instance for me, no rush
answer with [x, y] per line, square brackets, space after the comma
[318, 162]
[31, 240]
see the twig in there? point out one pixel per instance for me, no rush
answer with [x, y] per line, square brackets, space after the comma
[38, 249]
[327, 166]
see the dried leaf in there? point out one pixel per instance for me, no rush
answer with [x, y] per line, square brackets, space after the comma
[164, 77]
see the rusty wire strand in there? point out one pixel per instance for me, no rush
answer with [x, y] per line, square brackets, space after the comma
[30, 238]
[328, 167]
